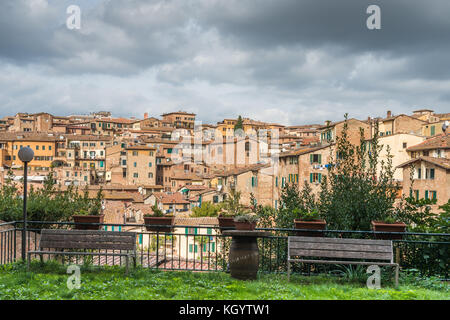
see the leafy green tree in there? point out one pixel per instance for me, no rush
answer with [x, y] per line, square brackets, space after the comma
[232, 205]
[48, 203]
[293, 202]
[357, 190]
[207, 209]
[442, 223]
[239, 124]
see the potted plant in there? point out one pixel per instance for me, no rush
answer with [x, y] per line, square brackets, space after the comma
[309, 221]
[388, 224]
[155, 221]
[84, 217]
[231, 208]
[226, 220]
[246, 221]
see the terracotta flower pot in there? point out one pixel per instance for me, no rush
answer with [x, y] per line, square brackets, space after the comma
[81, 219]
[226, 222]
[388, 227]
[151, 224]
[317, 224]
[245, 225]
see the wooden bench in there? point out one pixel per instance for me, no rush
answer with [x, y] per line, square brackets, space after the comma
[86, 240]
[341, 251]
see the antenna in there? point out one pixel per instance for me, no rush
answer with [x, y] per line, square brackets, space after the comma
[445, 125]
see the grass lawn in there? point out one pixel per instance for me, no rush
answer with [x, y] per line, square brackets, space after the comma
[50, 282]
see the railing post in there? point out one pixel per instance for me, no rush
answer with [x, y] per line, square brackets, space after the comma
[15, 241]
[157, 248]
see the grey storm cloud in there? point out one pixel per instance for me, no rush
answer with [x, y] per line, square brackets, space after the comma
[270, 60]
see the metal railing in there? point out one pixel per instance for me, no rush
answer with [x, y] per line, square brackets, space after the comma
[205, 248]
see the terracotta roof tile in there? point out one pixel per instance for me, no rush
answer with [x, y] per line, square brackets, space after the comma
[441, 141]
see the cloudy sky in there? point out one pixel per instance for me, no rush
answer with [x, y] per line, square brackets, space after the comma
[287, 61]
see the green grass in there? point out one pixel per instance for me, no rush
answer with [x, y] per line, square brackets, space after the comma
[49, 281]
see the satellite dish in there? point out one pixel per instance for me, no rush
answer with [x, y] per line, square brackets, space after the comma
[445, 125]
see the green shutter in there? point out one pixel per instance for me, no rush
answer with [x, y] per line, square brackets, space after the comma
[426, 194]
[433, 130]
[320, 177]
[186, 230]
[311, 158]
[209, 231]
[320, 158]
[311, 177]
[190, 248]
[213, 246]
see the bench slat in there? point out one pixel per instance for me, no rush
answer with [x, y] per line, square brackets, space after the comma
[340, 247]
[341, 254]
[85, 245]
[343, 262]
[89, 238]
[86, 232]
[293, 239]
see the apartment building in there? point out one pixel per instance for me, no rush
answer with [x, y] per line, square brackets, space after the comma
[398, 144]
[302, 166]
[88, 152]
[429, 169]
[254, 179]
[331, 130]
[431, 179]
[401, 123]
[180, 119]
[140, 164]
[110, 126]
[43, 145]
[169, 203]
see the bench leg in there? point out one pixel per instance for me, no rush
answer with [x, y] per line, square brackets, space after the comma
[396, 276]
[28, 261]
[288, 271]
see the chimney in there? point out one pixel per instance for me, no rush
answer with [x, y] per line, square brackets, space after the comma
[389, 114]
[146, 115]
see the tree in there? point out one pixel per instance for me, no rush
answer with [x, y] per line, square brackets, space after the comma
[207, 209]
[232, 204]
[442, 223]
[239, 125]
[292, 202]
[49, 203]
[357, 190]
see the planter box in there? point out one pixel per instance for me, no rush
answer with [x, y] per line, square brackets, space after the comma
[388, 227]
[317, 224]
[226, 222]
[151, 224]
[88, 219]
[245, 226]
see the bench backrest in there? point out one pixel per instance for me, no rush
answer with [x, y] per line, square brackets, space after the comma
[338, 248]
[87, 239]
